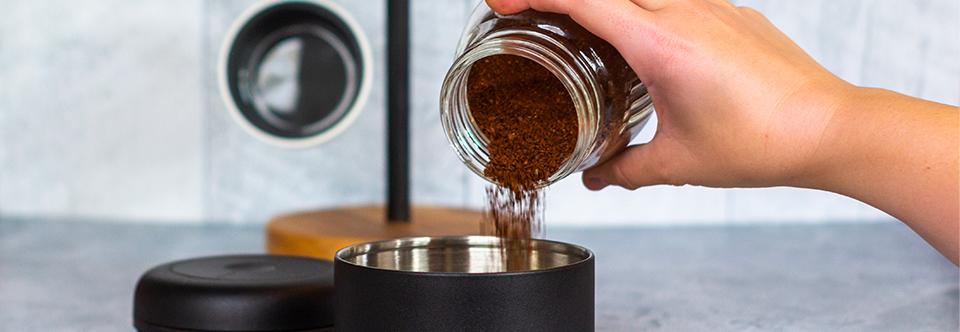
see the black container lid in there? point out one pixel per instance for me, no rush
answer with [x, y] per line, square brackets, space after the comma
[236, 293]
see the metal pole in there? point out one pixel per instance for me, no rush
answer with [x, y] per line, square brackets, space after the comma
[398, 92]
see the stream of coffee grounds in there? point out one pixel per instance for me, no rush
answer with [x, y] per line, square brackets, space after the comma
[530, 123]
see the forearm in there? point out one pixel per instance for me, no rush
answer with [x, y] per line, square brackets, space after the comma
[900, 155]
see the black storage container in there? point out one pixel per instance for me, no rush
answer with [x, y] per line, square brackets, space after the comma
[464, 284]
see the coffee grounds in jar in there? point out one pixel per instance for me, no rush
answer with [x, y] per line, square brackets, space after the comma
[616, 78]
[530, 123]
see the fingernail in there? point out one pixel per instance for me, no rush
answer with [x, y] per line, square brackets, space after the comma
[595, 183]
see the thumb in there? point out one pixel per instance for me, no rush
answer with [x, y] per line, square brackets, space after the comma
[637, 166]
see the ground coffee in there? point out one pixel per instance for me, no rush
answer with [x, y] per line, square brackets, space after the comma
[529, 120]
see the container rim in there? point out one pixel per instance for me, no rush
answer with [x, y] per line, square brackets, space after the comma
[343, 255]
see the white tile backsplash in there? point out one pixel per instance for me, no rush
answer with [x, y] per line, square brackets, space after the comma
[102, 109]
[111, 109]
[437, 175]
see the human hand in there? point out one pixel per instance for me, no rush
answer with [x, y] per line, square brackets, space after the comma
[738, 103]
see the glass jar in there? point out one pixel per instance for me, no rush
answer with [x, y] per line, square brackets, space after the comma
[612, 105]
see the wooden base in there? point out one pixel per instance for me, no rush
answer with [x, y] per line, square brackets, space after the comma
[321, 233]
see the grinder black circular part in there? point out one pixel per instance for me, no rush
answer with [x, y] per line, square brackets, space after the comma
[295, 72]
[236, 293]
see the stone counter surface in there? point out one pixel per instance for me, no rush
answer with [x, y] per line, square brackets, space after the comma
[70, 275]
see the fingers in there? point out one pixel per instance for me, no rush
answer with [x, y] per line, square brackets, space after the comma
[616, 21]
[637, 166]
[508, 6]
[514, 6]
[652, 5]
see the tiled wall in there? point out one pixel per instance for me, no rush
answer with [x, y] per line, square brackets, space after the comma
[102, 107]
[109, 109]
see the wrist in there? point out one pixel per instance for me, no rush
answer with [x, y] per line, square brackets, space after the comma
[835, 138]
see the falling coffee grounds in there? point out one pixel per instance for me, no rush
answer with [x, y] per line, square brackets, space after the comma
[530, 123]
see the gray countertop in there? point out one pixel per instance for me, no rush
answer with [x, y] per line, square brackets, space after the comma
[72, 275]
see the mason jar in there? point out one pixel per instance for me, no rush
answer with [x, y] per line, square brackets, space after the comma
[611, 103]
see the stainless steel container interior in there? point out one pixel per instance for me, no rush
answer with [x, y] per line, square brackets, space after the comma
[463, 254]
